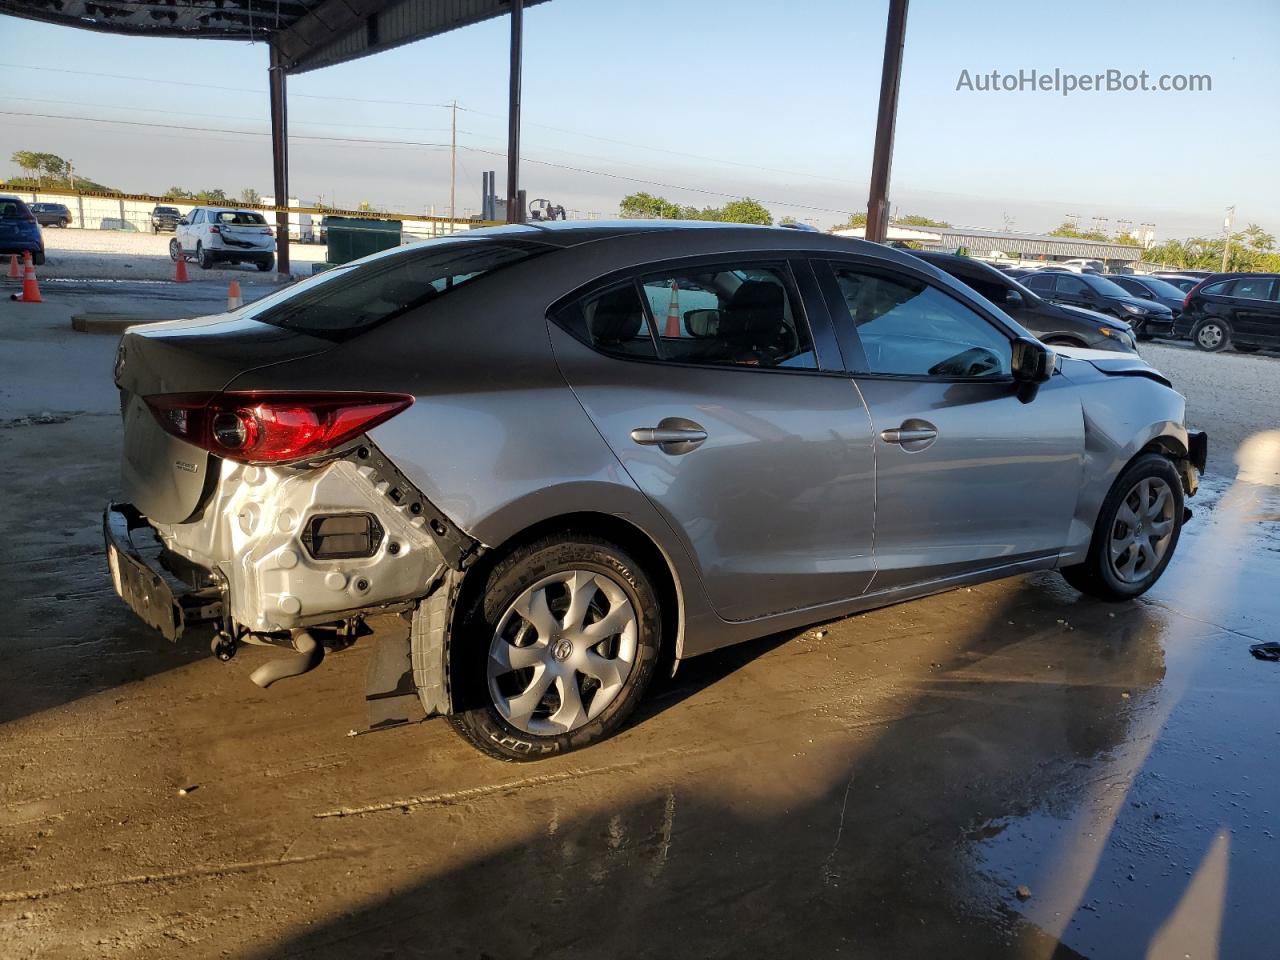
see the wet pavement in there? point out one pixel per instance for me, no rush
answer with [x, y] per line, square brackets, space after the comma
[1007, 771]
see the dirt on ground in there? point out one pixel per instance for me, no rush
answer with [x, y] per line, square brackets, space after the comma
[1011, 770]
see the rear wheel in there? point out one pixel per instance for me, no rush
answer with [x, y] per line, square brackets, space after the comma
[267, 264]
[37, 258]
[203, 256]
[1211, 335]
[1136, 533]
[557, 651]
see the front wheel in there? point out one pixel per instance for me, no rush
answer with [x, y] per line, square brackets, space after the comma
[37, 258]
[1211, 335]
[1136, 532]
[557, 650]
[173, 249]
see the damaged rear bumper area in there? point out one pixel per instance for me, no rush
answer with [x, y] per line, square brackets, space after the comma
[297, 557]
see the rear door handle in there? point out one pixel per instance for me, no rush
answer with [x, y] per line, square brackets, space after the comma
[912, 435]
[672, 435]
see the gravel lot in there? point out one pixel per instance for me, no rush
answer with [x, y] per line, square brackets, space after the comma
[1230, 395]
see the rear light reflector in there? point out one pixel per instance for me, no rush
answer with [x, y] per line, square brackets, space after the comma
[266, 427]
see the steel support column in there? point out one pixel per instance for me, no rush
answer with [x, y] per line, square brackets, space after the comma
[882, 159]
[280, 156]
[515, 213]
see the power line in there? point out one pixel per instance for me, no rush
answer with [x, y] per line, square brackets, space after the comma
[412, 143]
[445, 106]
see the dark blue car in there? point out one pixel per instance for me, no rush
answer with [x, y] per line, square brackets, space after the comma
[19, 231]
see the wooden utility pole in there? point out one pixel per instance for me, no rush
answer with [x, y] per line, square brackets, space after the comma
[1226, 236]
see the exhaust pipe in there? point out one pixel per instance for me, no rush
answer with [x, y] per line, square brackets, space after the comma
[310, 653]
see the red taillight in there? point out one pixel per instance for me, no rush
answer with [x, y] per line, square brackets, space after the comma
[273, 427]
[269, 232]
[215, 229]
[1186, 301]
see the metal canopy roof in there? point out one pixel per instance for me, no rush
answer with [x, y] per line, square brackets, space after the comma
[308, 33]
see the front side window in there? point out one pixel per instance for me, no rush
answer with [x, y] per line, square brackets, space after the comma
[1040, 282]
[347, 300]
[745, 316]
[909, 328]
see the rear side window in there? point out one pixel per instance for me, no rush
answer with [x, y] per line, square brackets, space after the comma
[613, 321]
[344, 301]
[1253, 288]
[743, 316]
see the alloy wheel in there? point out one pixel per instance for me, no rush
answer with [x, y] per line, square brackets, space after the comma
[1142, 530]
[562, 652]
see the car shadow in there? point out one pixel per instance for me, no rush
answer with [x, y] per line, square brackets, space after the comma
[848, 821]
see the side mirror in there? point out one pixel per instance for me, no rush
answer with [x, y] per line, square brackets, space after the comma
[1033, 365]
[702, 323]
[183, 221]
[1013, 298]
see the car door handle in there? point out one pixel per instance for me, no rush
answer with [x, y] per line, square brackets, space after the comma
[673, 435]
[912, 435]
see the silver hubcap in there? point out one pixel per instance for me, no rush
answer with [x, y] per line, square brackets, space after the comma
[1143, 530]
[1210, 335]
[562, 652]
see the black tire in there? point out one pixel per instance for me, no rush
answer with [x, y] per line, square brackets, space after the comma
[173, 249]
[1096, 576]
[203, 256]
[267, 264]
[478, 720]
[1203, 335]
[37, 259]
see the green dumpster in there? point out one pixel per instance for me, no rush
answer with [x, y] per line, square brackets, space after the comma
[350, 238]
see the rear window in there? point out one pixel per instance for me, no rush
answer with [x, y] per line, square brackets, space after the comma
[240, 218]
[347, 300]
[11, 208]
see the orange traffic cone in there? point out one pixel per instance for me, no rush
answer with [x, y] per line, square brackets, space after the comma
[14, 274]
[180, 266]
[234, 302]
[673, 314]
[30, 289]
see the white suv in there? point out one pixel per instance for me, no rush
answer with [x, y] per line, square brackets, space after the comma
[224, 234]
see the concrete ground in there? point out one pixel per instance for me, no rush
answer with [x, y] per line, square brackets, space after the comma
[1007, 771]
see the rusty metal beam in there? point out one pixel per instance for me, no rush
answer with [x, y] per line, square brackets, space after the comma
[280, 155]
[882, 159]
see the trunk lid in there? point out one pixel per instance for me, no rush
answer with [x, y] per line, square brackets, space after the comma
[164, 477]
[247, 236]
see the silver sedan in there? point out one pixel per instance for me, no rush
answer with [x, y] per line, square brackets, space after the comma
[568, 453]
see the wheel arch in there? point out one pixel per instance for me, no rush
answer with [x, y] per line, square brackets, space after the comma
[624, 533]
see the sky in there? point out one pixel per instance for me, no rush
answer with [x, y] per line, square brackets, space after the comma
[699, 103]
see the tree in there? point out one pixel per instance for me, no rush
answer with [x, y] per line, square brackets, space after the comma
[1069, 229]
[745, 210]
[250, 196]
[787, 221]
[857, 220]
[916, 220]
[27, 160]
[644, 206]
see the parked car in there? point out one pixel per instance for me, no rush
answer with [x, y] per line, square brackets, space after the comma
[51, 214]
[1202, 274]
[1095, 292]
[1183, 281]
[213, 235]
[567, 451]
[1240, 310]
[1155, 289]
[19, 230]
[1052, 323]
[164, 218]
